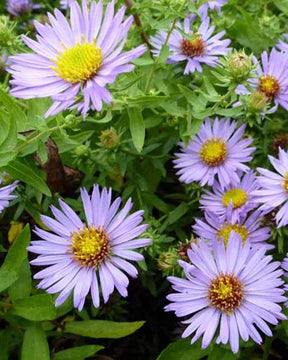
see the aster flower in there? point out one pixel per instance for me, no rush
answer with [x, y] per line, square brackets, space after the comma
[5, 194]
[235, 289]
[217, 149]
[214, 229]
[274, 188]
[285, 268]
[283, 45]
[213, 5]
[18, 7]
[237, 198]
[73, 62]
[273, 79]
[202, 48]
[92, 255]
[64, 4]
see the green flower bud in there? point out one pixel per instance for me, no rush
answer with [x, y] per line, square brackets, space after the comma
[8, 39]
[109, 139]
[70, 121]
[82, 151]
[257, 102]
[167, 261]
[239, 65]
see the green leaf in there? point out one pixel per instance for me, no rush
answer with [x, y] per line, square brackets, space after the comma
[102, 329]
[77, 353]
[177, 213]
[18, 170]
[164, 54]
[10, 270]
[183, 350]
[17, 115]
[35, 345]
[8, 132]
[223, 354]
[22, 287]
[282, 5]
[149, 100]
[35, 308]
[137, 128]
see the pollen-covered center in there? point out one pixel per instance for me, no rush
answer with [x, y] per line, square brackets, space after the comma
[90, 246]
[79, 63]
[237, 197]
[213, 152]
[226, 293]
[225, 230]
[193, 47]
[285, 182]
[269, 86]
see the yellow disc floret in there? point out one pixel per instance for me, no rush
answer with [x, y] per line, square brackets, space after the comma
[269, 86]
[226, 293]
[237, 197]
[79, 63]
[213, 152]
[225, 230]
[90, 246]
[285, 182]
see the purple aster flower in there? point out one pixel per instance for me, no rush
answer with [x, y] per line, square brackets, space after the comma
[285, 267]
[74, 62]
[213, 5]
[214, 228]
[5, 194]
[18, 7]
[64, 4]
[283, 45]
[235, 288]
[273, 79]
[86, 256]
[237, 198]
[201, 49]
[217, 149]
[274, 188]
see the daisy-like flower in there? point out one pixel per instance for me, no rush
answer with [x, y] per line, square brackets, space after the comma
[237, 198]
[73, 62]
[274, 188]
[5, 194]
[283, 45]
[217, 150]
[214, 229]
[198, 47]
[92, 255]
[273, 79]
[213, 5]
[18, 7]
[285, 268]
[235, 289]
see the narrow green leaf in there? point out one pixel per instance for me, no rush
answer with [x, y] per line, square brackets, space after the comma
[19, 170]
[8, 132]
[35, 345]
[102, 329]
[137, 128]
[177, 213]
[18, 116]
[77, 353]
[22, 287]
[35, 308]
[10, 270]
[183, 350]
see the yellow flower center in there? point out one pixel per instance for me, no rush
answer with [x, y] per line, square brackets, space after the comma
[213, 152]
[225, 230]
[285, 182]
[193, 47]
[90, 246]
[269, 86]
[237, 197]
[79, 63]
[226, 293]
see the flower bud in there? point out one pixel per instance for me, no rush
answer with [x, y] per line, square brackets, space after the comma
[82, 151]
[257, 102]
[8, 38]
[109, 139]
[167, 261]
[239, 65]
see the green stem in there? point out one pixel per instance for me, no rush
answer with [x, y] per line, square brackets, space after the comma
[30, 141]
[267, 347]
